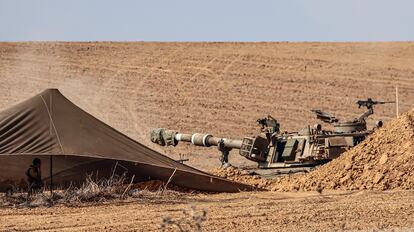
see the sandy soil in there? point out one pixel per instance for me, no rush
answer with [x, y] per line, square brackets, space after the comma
[221, 88]
[268, 211]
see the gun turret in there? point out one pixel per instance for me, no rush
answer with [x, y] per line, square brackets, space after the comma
[253, 148]
[357, 124]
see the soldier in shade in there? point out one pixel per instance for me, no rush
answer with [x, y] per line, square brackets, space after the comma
[34, 176]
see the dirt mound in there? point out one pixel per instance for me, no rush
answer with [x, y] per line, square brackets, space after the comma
[243, 176]
[384, 161]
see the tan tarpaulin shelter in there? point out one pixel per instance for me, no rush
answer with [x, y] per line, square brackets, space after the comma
[52, 128]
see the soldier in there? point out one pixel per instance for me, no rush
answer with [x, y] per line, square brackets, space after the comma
[34, 176]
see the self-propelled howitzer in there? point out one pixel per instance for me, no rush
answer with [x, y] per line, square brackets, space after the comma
[309, 147]
[274, 149]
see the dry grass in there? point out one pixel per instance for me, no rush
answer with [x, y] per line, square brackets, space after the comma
[94, 191]
[113, 190]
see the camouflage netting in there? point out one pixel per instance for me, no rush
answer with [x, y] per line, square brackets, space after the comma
[384, 161]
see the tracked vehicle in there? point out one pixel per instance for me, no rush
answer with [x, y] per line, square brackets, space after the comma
[275, 149]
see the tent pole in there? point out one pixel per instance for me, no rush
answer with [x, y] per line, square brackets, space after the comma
[51, 176]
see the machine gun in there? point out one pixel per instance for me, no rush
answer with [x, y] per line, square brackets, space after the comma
[268, 125]
[369, 103]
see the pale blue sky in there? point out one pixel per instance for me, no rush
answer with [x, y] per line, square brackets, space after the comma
[209, 20]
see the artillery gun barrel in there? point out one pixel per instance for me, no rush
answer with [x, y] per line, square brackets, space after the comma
[169, 137]
[207, 140]
[253, 148]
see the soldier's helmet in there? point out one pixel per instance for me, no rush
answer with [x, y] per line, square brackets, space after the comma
[36, 161]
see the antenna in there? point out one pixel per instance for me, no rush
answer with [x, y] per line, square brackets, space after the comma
[396, 102]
